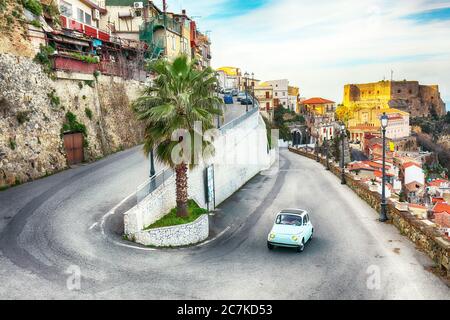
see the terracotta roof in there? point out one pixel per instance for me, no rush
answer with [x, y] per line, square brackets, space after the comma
[378, 174]
[437, 200]
[374, 164]
[437, 182]
[317, 101]
[411, 164]
[441, 207]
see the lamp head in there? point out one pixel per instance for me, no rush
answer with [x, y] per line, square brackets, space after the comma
[384, 120]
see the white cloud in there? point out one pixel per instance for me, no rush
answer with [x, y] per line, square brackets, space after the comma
[322, 45]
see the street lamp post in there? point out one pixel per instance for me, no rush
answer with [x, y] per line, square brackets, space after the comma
[327, 155]
[253, 90]
[343, 155]
[152, 164]
[384, 124]
[246, 90]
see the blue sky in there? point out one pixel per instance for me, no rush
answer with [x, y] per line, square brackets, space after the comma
[323, 44]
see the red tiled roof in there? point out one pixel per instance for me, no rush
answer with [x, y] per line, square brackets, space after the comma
[317, 101]
[411, 164]
[438, 200]
[437, 182]
[374, 164]
[378, 174]
[441, 207]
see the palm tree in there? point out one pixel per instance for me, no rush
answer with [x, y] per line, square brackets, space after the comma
[179, 96]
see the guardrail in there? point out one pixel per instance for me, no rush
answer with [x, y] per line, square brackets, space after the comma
[148, 187]
[232, 124]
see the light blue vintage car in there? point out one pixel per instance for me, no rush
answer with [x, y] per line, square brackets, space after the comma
[292, 228]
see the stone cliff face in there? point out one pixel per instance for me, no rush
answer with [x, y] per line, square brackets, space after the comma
[33, 109]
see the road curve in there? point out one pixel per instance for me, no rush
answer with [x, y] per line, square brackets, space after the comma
[52, 224]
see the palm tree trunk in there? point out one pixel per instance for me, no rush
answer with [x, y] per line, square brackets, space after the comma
[182, 189]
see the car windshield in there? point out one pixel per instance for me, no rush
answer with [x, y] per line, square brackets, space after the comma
[289, 219]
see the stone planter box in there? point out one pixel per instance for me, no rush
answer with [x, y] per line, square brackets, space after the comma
[175, 236]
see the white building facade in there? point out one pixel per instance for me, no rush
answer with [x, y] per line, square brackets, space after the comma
[280, 92]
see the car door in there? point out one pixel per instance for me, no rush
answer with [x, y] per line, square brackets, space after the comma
[306, 227]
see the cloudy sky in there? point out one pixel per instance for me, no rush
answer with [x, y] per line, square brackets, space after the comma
[323, 44]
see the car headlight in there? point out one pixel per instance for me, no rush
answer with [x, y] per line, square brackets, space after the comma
[271, 235]
[295, 238]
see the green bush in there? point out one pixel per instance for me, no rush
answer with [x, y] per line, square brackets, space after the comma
[85, 58]
[88, 113]
[34, 6]
[171, 219]
[55, 101]
[22, 117]
[2, 5]
[36, 23]
[12, 144]
[43, 58]
[72, 125]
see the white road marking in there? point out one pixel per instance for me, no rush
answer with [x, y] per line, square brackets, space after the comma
[215, 238]
[93, 226]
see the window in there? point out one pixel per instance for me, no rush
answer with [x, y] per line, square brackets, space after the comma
[276, 94]
[174, 45]
[87, 18]
[284, 94]
[80, 15]
[267, 95]
[399, 91]
[289, 219]
[66, 9]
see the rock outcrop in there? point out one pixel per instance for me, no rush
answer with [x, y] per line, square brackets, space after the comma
[33, 109]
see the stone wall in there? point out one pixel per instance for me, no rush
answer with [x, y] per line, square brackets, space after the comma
[33, 109]
[175, 236]
[425, 236]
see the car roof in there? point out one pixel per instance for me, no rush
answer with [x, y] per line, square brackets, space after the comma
[294, 211]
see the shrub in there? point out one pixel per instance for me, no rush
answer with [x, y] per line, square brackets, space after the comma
[89, 83]
[2, 5]
[22, 116]
[12, 144]
[43, 57]
[36, 23]
[96, 74]
[55, 101]
[72, 125]
[88, 113]
[34, 6]
[85, 58]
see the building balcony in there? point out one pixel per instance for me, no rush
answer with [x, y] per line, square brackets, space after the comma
[89, 31]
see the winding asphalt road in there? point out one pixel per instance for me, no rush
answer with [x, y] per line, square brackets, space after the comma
[51, 225]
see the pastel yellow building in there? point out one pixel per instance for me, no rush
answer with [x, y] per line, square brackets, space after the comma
[264, 95]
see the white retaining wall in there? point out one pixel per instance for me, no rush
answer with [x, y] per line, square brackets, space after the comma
[240, 154]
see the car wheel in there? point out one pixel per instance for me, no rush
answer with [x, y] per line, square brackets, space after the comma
[301, 247]
[270, 246]
[312, 233]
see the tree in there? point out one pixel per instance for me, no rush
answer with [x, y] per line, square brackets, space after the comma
[178, 98]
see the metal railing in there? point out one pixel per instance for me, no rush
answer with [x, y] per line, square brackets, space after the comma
[232, 124]
[148, 187]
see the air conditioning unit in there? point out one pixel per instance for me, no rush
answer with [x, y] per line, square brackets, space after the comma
[138, 5]
[96, 14]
